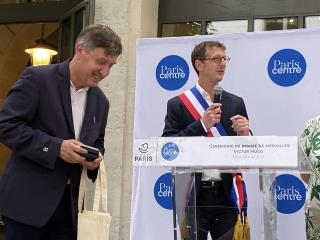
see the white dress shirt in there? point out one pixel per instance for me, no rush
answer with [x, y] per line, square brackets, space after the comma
[78, 105]
[208, 174]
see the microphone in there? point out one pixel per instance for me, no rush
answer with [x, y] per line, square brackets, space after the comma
[217, 94]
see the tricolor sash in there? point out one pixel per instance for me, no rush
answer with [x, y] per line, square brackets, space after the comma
[238, 192]
[240, 201]
[197, 105]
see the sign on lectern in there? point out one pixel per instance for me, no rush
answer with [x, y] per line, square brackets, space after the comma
[222, 152]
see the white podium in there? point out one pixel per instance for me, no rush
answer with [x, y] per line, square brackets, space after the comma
[186, 156]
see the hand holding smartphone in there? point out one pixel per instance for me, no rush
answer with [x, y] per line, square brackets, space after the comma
[92, 154]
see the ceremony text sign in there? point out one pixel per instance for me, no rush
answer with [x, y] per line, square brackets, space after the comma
[219, 152]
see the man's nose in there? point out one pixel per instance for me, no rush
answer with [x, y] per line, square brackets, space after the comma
[223, 61]
[105, 71]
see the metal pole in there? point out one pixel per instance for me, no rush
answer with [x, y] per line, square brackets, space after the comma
[174, 211]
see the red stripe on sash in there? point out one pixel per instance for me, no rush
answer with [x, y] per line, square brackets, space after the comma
[192, 110]
[239, 189]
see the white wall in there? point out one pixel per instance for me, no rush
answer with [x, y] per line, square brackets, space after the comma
[130, 19]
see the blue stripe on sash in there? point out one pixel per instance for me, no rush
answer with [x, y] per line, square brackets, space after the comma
[220, 129]
[205, 105]
[199, 97]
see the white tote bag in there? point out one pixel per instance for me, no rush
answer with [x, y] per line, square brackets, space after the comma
[95, 224]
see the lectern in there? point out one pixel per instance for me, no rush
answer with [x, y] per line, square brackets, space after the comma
[257, 158]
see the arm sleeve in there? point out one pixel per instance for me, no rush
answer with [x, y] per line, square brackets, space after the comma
[305, 148]
[16, 116]
[176, 124]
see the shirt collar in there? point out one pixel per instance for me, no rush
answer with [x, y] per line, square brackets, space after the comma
[74, 88]
[202, 91]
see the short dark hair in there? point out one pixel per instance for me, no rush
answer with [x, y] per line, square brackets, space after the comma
[199, 51]
[100, 36]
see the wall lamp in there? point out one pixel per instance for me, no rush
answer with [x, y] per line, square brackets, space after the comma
[41, 53]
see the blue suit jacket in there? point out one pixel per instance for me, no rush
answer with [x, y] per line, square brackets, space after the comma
[36, 117]
[179, 122]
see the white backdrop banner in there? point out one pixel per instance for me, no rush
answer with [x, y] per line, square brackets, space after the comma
[276, 73]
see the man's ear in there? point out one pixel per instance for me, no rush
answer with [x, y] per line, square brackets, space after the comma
[79, 48]
[198, 64]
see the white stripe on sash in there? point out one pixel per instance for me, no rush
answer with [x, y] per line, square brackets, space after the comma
[198, 107]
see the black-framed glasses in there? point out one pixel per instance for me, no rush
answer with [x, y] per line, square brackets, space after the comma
[217, 59]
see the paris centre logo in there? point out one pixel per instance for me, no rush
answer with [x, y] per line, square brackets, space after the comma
[162, 191]
[170, 151]
[290, 193]
[172, 72]
[287, 67]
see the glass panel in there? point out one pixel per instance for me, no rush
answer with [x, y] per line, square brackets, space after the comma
[214, 27]
[66, 38]
[79, 22]
[181, 29]
[312, 21]
[275, 24]
[193, 204]
[11, 1]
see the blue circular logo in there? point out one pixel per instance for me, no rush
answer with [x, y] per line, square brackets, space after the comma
[287, 67]
[162, 191]
[290, 193]
[172, 72]
[170, 151]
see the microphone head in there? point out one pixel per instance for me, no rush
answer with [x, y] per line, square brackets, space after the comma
[217, 94]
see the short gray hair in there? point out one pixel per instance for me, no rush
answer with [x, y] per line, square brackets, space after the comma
[100, 36]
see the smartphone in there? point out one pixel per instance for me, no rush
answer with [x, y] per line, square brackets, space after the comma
[92, 154]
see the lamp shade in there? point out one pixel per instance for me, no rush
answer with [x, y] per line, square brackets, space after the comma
[41, 53]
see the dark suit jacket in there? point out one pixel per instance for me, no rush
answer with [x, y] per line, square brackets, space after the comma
[36, 117]
[179, 122]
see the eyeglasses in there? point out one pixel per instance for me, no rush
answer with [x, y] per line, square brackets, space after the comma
[217, 59]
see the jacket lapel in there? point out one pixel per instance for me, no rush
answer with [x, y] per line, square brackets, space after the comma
[89, 117]
[64, 90]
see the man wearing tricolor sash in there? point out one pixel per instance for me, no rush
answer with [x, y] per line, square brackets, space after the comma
[220, 197]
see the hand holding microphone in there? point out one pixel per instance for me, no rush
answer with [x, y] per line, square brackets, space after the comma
[213, 114]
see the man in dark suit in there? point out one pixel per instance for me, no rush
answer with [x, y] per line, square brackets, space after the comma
[48, 114]
[194, 113]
